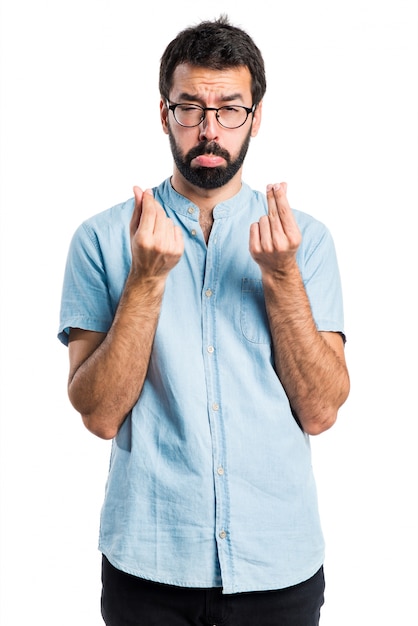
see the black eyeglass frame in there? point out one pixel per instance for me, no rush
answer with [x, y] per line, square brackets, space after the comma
[172, 107]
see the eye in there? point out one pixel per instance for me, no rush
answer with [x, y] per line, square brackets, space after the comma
[189, 107]
[231, 109]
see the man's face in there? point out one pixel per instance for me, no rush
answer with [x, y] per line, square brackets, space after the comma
[208, 156]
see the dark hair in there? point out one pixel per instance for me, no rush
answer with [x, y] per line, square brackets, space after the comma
[215, 45]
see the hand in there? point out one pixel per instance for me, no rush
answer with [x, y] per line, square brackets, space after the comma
[157, 244]
[275, 238]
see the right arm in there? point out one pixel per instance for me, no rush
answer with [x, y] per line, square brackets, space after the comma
[107, 370]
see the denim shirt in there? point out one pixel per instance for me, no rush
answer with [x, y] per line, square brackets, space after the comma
[210, 481]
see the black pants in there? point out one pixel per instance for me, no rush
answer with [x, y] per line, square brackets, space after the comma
[131, 601]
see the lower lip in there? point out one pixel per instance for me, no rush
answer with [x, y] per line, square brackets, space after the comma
[208, 160]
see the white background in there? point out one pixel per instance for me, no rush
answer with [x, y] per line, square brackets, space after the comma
[79, 127]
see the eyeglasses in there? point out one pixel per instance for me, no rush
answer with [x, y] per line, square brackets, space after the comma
[230, 116]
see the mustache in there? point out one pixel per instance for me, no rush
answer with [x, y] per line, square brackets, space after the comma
[208, 147]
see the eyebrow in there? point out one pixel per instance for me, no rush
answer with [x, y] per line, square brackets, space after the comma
[194, 97]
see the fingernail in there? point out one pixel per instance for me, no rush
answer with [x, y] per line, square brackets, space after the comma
[277, 186]
[269, 188]
[149, 192]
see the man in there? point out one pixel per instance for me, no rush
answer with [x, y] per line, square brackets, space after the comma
[205, 332]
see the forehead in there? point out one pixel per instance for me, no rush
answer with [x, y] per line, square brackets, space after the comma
[203, 82]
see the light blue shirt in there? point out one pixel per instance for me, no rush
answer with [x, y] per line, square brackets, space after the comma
[210, 481]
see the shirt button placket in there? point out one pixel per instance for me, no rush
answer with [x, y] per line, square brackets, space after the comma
[191, 211]
[215, 406]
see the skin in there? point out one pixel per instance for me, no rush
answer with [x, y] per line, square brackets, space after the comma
[107, 371]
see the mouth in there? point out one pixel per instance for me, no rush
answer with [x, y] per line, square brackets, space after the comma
[207, 160]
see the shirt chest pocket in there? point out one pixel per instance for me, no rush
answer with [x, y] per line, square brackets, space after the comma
[254, 321]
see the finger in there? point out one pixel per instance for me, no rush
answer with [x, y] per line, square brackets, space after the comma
[270, 230]
[136, 215]
[137, 192]
[271, 200]
[255, 240]
[273, 193]
[149, 211]
[285, 213]
[163, 225]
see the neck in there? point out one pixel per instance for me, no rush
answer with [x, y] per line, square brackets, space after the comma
[205, 199]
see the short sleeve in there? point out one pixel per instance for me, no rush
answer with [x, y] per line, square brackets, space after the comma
[321, 277]
[85, 301]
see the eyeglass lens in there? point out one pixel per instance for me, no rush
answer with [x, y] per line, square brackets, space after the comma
[228, 116]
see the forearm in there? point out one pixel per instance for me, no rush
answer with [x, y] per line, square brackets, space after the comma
[107, 384]
[311, 371]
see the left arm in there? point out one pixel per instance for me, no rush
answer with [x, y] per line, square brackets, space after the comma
[310, 364]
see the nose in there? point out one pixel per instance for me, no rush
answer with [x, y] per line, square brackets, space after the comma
[209, 128]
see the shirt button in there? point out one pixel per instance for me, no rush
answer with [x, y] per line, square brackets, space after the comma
[190, 210]
[208, 293]
[220, 471]
[222, 534]
[215, 406]
[193, 232]
[211, 349]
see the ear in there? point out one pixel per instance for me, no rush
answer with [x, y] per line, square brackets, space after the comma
[256, 119]
[164, 115]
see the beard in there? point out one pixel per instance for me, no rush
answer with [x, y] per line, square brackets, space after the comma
[208, 177]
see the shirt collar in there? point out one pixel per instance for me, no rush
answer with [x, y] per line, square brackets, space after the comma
[183, 206]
